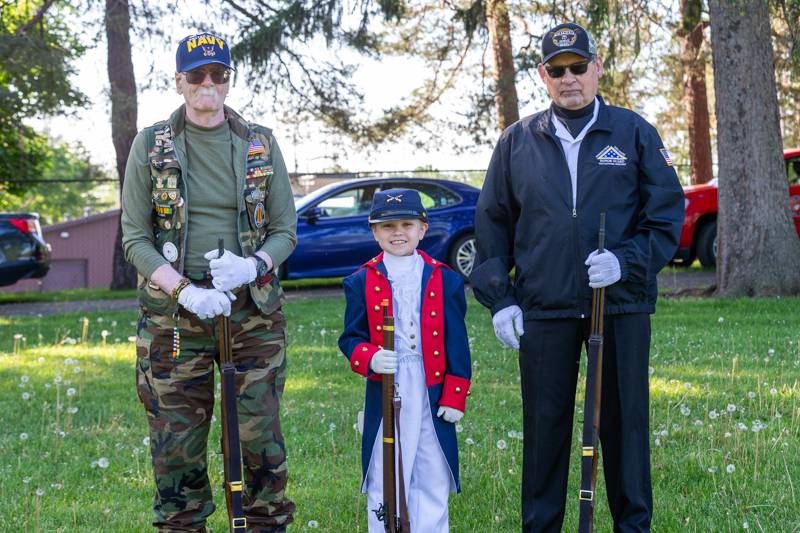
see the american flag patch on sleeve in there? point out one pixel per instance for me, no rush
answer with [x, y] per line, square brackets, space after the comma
[667, 158]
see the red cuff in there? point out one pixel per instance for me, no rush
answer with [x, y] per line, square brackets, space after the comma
[454, 392]
[361, 356]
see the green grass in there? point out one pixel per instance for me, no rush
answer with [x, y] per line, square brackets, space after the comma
[724, 391]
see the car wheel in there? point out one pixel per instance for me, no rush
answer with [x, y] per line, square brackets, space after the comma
[707, 244]
[463, 254]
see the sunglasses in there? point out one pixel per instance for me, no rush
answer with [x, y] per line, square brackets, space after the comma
[576, 68]
[218, 75]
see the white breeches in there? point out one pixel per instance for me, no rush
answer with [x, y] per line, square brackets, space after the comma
[428, 480]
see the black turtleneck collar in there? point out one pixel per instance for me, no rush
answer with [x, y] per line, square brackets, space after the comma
[574, 119]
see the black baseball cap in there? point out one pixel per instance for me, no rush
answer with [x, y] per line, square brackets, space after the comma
[568, 38]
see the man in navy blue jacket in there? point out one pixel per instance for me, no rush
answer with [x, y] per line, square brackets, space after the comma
[550, 177]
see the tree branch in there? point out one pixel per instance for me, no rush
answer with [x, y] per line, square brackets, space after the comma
[37, 17]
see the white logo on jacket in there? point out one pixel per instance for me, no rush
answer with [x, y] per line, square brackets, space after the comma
[611, 155]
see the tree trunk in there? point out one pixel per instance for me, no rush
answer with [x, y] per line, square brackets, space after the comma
[123, 115]
[694, 83]
[505, 97]
[758, 250]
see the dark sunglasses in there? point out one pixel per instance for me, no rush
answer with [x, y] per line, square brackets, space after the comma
[218, 75]
[576, 68]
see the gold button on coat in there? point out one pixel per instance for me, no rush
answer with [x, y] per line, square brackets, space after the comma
[458, 389]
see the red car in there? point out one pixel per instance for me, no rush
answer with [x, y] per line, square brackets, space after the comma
[699, 234]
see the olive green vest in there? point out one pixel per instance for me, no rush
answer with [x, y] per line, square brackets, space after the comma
[170, 210]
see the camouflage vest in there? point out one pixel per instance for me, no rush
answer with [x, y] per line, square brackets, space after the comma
[170, 209]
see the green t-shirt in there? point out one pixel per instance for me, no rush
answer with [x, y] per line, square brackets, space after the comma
[211, 193]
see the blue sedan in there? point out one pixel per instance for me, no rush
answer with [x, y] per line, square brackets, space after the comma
[334, 237]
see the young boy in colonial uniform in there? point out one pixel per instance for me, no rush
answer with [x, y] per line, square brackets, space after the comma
[430, 359]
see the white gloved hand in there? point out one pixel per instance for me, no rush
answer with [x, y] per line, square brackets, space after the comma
[384, 362]
[230, 271]
[449, 414]
[604, 269]
[508, 326]
[205, 303]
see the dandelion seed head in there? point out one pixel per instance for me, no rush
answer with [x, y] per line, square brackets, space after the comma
[721, 319]
[751, 395]
[730, 469]
[40, 492]
[657, 442]
[26, 480]
[501, 444]
[773, 391]
[687, 386]
[685, 411]
[731, 408]
[469, 441]
[146, 441]
[459, 428]
[713, 414]
[712, 469]
[651, 370]
[71, 392]
[76, 370]
[23, 436]
[313, 524]
[24, 379]
[727, 434]
[57, 380]
[26, 396]
[72, 410]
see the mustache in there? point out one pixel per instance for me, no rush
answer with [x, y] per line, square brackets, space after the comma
[207, 92]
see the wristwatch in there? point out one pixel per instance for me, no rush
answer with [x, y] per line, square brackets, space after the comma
[262, 271]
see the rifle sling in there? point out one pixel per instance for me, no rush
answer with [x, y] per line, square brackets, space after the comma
[233, 461]
[589, 440]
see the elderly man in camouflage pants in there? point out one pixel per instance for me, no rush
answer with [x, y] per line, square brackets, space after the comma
[206, 173]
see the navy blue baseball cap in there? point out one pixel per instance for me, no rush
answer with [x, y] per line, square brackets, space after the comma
[202, 49]
[568, 38]
[397, 204]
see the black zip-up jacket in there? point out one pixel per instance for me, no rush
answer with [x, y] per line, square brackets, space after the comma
[525, 218]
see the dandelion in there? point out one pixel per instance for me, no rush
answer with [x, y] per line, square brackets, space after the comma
[70, 392]
[331, 427]
[741, 426]
[657, 442]
[146, 441]
[469, 441]
[94, 464]
[721, 320]
[751, 395]
[771, 351]
[687, 386]
[313, 524]
[731, 408]
[102, 462]
[24, 379]
[730, 469]
[40, 492]
[69, 361]
[685, 411]
[99, 319]
[57, 486]
[773, 391]
[745, 525]
[26, 396]
[57, 380]
[501, 444]
[727, 434]
[23, 436]
[113, 323]
[713, 414]
[651, 370]
[72, 410]
[41, 360]
[698, 422]
[712, 469]
[459, 428]
[76, 370]
[26, 480]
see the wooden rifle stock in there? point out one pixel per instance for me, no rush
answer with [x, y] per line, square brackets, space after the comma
[389, 478]
[231, 449]
[591, 404]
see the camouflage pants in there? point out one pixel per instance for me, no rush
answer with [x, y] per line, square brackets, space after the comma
[178, 396]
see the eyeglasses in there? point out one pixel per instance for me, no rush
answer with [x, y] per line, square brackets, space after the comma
[218, 75]
[576, 68]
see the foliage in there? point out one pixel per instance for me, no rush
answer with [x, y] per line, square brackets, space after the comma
[34, 81]
[54, 201]
[724, 408]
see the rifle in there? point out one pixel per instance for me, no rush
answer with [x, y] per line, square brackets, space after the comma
[387, 512]
[591, 403]
[231, 450]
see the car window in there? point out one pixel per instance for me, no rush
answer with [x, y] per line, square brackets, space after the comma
[351, 202]
[793, 171]
[432, 195]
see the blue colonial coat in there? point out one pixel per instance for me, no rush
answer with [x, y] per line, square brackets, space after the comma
[445, 347]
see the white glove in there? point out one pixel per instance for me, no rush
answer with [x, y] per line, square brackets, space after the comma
[448, 414]
[230, 271]
[205, 303]
[508, 326]
[384, 362]
[603, 269]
